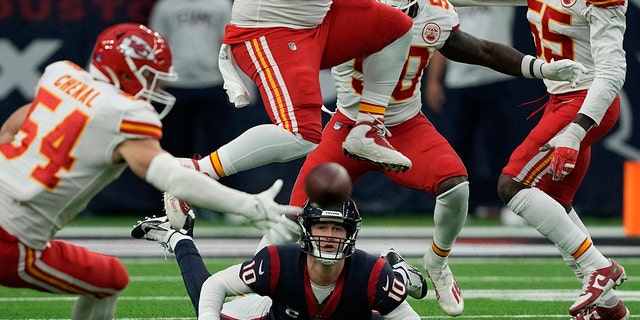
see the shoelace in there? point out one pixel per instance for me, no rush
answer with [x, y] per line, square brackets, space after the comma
[585, 282]
[381, 128]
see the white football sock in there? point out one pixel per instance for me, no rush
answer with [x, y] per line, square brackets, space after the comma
[88, 307]
[449, 216]
[381, 71]
[260, 145]
[550, 219]
[568, 258]
[175, 238]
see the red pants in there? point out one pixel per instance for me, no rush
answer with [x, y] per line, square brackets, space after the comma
[529, 166]
[60, 268]
[285, 63]
[434, 160]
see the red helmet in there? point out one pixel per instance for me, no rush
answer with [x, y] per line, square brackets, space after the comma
[135, 59]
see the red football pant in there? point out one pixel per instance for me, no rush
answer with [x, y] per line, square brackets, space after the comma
[433, 159]
[60, 268]
[529, 166]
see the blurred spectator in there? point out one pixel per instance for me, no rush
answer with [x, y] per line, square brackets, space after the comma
[194, 30]
[477, 107]
[202, 118]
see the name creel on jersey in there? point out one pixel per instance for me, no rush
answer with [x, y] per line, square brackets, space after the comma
[431, 29]
[62, 155]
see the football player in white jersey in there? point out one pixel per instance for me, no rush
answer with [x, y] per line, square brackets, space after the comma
[78, 135]
[437, 169]
[543, 174]
[282, 45]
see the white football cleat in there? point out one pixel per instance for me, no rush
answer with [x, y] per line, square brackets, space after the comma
[154, 229]
[448, 293]
[596, 284]
[367, 141]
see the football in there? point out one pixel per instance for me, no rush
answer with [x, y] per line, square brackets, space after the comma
[328, 185]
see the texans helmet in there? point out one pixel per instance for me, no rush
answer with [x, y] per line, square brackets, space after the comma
[135, 59]
[346, 214]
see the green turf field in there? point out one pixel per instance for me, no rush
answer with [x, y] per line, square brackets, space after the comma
[496, 288]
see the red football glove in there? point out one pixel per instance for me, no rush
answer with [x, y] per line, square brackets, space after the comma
[567, 146]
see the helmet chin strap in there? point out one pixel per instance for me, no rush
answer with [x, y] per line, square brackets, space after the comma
[319, 255]
[326, 262]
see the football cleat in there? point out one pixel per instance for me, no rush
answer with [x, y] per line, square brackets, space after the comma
[617, 312]
[448, 294]
[411, 276]
[177, 211]
[596, 284]
[367, 141]
[155, 229]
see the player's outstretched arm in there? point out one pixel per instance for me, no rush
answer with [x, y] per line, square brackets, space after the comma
[216, 288]
[465, 48]
[149, 161]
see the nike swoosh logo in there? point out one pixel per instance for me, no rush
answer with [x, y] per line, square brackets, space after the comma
[601, 282]
[260, 271]
[386, 285]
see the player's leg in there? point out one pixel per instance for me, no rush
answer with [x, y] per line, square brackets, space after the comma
[529, 191]
[438, 171]
[288, 81]
[609, 306]
[381, 35]
[192, 267]
[68, 269]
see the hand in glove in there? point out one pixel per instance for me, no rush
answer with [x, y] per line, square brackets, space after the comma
[564, 70]
[283, 231]
[264, 211]
[567, 146]
[561, 70]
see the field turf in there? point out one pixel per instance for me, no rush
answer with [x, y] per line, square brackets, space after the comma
[494, 288]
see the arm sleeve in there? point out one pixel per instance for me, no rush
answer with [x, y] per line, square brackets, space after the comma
[607, 31]
[166, 174]
[404, 311]
[215, 289]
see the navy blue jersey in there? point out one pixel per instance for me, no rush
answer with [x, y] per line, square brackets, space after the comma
[367, 283]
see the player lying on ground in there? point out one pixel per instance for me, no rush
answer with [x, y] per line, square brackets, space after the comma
[323, 275]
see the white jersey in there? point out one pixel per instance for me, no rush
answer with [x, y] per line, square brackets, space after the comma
[589, 32]
[62, 155]
[431, 29]
[296, 14]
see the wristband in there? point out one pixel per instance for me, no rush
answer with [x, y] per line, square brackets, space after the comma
[531, 67]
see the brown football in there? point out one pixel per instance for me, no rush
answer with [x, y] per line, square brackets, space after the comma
[328, 185]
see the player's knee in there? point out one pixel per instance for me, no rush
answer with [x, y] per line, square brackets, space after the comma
[119, 274]
[507, 188]
[449, 184]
